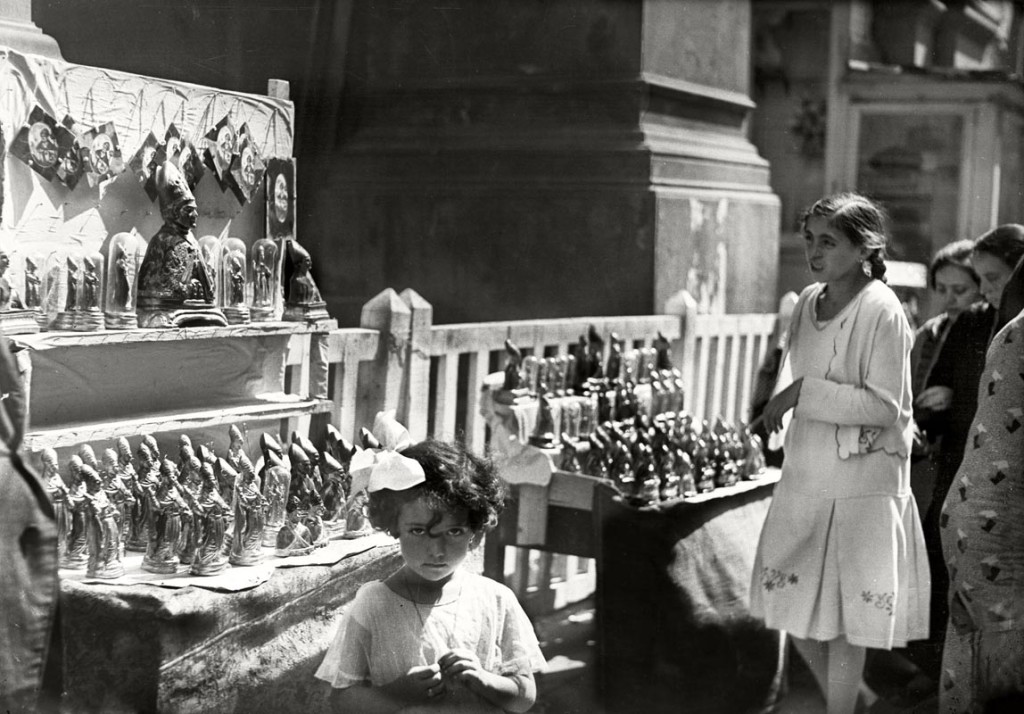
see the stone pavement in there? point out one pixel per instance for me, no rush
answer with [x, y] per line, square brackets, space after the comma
[568, 686]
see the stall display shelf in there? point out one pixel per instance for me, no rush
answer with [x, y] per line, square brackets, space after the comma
[265, 408]
[64, 339]
[94, 387]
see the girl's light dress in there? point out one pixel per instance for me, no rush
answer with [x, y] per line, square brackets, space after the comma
[842, 551]
[382, 635]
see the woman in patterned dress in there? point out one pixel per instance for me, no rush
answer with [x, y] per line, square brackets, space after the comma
[982, 525]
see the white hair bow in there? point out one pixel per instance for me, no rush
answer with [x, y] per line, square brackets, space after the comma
[376, 469]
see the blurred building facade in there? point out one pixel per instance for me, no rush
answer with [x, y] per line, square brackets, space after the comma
[917, 103]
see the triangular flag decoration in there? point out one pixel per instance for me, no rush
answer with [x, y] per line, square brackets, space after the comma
[280, 197]
[247, 167]
[190, 164]
[169, 149]
[70, 168]
[36, 143]
[143, 164]
[221, 147]
[102, 154]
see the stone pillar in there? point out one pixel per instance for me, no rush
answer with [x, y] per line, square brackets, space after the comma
[18, 32]
[522, 160]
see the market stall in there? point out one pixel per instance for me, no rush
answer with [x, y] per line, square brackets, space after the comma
[671, 511]
[173, 345]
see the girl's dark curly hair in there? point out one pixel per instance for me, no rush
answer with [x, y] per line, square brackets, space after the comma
[455, 479]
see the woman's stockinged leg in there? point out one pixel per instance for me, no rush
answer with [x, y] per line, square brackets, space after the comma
[845, 663]
[815, 654]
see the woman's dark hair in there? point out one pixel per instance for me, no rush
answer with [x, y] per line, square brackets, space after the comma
[858, 218]
[1005, 242]
[455, 479]
[954, 255]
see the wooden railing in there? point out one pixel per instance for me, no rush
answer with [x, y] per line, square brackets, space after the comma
[432, 376]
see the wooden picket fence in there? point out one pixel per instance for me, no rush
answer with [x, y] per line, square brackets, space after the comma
[432, 376]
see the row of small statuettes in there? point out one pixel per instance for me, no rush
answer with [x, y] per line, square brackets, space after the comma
[667, 457]
[200, 512]
[76, 290]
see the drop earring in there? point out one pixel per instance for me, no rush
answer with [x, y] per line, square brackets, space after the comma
[865, 265]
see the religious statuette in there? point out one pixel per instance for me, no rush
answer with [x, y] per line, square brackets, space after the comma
[34, 290]
[209, 252]
[304, 488]
[209, 526]
[250, 519]
[303, 302]
[76, 549]
[264, 280]
[166, 510]
[234, 281]
[544, 436]
[103, 536]
[276, 479]
[147, 476]
[293, 538]
[89, 316]
[335, 494]
[123, 257]
[58, 492]
[175, 286]
[118, 491]
[15, 316]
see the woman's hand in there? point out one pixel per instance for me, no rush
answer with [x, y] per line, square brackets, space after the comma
[936, 399]
[781, 403]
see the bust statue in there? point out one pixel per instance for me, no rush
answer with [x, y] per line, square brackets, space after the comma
[175, 286]
[303, 302]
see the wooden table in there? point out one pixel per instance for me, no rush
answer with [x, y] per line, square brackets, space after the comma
[673, 623]
[143, 648]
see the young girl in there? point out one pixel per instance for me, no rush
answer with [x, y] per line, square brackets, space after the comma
[433, 637]
[841, 564]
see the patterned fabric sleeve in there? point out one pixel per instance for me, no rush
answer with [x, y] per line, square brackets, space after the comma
[983, 517]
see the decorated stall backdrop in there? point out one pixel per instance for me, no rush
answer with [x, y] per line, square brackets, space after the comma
[82, 142]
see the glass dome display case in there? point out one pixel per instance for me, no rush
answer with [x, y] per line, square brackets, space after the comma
[265, 279]
[233, 281]
[209, 249]
[124, 254]
[89, 315]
